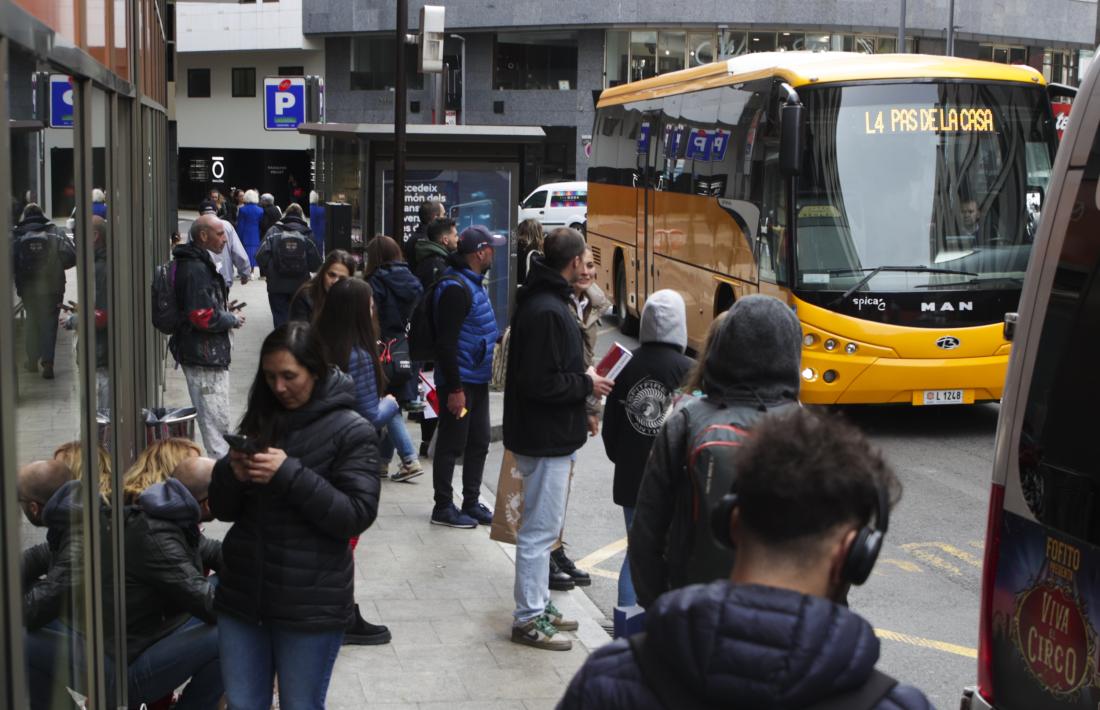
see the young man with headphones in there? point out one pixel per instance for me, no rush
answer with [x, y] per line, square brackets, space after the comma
[807, 516]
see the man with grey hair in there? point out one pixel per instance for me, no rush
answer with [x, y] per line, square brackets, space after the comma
[201, 342]
[272, 213]
[234, 254]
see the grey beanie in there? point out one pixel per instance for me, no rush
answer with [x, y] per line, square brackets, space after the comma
[758, 347]
[664, 319]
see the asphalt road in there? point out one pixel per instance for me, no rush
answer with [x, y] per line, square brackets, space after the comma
[923, 595]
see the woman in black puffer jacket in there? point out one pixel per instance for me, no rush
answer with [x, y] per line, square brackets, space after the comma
[285, 592]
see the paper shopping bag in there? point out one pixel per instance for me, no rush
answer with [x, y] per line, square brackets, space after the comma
[509, 505]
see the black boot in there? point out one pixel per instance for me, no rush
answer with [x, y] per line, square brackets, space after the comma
[559, 580]
[579, 576]
[363, 633]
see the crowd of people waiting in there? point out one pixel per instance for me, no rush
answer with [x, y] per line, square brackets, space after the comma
[745, 578]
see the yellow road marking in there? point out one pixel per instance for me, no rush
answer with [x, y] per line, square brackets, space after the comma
[927, 643]
[934, 561]
[602, 554]
[902, 565]
[923, 551]
[596, 571]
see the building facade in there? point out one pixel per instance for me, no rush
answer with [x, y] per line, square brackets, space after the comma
[224, 54]
[544, 64]
[85, 109]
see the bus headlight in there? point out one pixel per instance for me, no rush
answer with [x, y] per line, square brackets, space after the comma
[851, 348]
[830, 344]
[809, 374]
[809, 340]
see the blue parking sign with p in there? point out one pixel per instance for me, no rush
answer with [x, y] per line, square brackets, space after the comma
[284, 103]
[61, 101]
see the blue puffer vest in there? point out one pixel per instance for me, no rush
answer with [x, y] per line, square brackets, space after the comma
[479, 333]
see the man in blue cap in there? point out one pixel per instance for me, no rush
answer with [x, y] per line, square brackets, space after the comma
[465, 334]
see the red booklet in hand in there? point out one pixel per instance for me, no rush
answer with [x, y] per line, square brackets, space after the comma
[613, 362]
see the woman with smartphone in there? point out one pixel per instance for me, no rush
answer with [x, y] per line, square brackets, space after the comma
[301, 483]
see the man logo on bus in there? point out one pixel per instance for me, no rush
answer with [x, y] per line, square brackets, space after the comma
[946, 306]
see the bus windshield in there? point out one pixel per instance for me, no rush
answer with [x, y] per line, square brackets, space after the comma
[921, 186]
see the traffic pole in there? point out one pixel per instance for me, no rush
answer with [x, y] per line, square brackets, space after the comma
[901, 30]
[399, 107]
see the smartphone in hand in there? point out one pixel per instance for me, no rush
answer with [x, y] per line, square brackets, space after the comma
[241, 443]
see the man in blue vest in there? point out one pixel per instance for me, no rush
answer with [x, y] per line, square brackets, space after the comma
[465, 334]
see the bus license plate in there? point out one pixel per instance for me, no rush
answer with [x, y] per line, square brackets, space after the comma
[944, 397]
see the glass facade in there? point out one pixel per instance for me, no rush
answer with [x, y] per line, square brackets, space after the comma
[86, 183]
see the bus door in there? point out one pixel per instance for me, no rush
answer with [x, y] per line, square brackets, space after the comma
[648, 182]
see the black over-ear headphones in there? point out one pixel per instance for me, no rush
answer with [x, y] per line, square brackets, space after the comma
[861, 556]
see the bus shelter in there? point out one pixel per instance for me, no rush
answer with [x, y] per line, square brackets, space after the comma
[475, 171]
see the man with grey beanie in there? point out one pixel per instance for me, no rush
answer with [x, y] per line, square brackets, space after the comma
[750, 371]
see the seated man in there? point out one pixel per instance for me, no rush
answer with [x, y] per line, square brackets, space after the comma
[773, 635]
[170, 631]
[53, 579]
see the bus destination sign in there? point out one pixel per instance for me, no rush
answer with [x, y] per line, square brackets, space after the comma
[929, 120]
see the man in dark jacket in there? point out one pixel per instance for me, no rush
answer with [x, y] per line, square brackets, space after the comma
[170, 631]
[433, 255]
[466, 333]
[287, 256]
[41, 253]
[429, 211]
[272, 213]
[640, 401]
[201, 341]
[544, 424]
[752, 369]
[773, 635]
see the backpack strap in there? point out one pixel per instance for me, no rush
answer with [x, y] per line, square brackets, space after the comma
[657, 677]
[865, 697]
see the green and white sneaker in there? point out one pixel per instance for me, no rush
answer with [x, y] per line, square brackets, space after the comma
[555, 617]
[540, 633]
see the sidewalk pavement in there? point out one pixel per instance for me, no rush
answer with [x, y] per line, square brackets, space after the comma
[446, 594]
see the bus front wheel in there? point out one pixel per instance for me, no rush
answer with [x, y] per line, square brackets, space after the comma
[628, 324]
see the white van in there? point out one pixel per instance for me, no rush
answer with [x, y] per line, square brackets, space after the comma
[1039, 634]
[557, 204]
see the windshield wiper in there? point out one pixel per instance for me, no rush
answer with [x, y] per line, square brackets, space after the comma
[920, 268]
[974, 282]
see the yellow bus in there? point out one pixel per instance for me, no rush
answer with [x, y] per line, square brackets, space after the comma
[891, 200]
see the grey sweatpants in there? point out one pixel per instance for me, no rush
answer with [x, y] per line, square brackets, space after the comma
[209, 390]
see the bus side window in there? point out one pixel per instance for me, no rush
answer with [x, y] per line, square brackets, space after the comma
[1057, 452]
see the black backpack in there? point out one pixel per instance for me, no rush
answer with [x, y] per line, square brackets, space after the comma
[166, 312]
[35, 252]
[289, 252]
[422, 322]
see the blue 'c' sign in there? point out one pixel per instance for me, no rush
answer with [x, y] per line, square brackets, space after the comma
[284, 103]
[61, 101]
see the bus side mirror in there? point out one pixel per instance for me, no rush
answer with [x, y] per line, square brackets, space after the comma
[790, 140]
[1010, 326]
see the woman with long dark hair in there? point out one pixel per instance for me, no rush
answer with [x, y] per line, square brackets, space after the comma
[310, 298]
[302, 483]
[396, 293]
[346, 326]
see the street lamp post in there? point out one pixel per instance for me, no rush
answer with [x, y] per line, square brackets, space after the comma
[462, 81]
[399, 117]
[901, 30]
[951, 28]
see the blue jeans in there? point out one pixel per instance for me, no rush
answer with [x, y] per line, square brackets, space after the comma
[55, 659]
[191, 651]
[397, 436]
[253, 655]
[545, 490]
[280, 307]
[626, 584]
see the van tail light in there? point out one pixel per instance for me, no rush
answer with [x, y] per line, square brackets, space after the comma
[989, 579]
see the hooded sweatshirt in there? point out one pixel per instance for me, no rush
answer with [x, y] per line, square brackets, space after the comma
[742, 646]
[166, 556]
[752, 370]
[641, 399]
[59, 594]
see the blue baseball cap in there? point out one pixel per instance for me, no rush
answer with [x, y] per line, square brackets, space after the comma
[477, 237]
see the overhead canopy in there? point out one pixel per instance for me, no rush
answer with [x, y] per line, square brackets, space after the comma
[426, 132]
